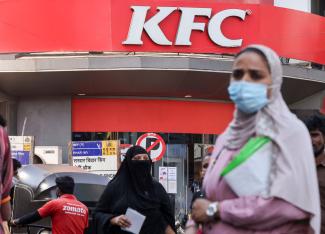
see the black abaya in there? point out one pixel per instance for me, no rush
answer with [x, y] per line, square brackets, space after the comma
[134, 187]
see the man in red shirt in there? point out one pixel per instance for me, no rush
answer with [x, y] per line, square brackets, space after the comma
[68, 215]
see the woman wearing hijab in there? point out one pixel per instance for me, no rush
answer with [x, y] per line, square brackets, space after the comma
[133, 187]
[290, 203]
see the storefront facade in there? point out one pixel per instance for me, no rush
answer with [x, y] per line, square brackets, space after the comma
[120, 69]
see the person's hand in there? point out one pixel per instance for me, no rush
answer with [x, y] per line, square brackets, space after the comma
[199, 211]
[13, 222]
[121, 221]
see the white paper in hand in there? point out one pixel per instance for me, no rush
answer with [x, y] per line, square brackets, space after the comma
[136, 220]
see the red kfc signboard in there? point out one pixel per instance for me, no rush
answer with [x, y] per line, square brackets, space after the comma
[207, 26]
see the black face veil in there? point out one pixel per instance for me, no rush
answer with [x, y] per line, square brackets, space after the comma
[139, 170]
[135, 174]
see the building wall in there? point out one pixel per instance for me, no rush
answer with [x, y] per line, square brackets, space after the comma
[48, 119]
[302, 5]
[313, 102]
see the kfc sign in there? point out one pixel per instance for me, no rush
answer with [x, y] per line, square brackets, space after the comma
[186, 26]
[202, 27]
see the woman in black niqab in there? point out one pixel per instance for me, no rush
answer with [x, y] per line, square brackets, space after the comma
[134, 187]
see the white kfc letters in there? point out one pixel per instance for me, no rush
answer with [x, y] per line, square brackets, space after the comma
[186, 26]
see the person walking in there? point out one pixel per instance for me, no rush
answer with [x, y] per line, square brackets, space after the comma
[133, 187]
[199, 193]
[68, 215]
[316, 127]
[197, 189]
[285, 198]
[6, 171]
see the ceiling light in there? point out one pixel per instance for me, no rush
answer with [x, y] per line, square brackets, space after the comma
[188, 96]
[81, 94]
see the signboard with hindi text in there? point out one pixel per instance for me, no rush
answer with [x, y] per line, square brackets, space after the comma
[99, 157]
[22, 148]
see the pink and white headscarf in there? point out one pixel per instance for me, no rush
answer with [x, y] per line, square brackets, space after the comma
[293, 177]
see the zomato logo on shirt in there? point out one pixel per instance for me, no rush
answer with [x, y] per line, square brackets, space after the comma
[187, 24]
[70, 209]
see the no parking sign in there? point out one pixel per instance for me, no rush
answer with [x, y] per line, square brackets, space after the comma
[154, 145]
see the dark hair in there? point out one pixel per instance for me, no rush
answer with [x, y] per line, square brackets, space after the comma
[3, 121]
[316, 122]
[16, 164]
[257, 51]
[65, 184]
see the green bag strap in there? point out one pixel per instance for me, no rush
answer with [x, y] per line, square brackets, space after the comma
[248, 150]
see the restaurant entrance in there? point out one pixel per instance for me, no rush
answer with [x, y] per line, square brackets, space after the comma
[179, 168]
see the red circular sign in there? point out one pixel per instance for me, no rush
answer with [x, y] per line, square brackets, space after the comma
[154, 145]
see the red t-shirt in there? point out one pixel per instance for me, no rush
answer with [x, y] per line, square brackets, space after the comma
[69, 216]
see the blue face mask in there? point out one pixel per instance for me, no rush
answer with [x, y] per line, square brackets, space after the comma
[249, 97]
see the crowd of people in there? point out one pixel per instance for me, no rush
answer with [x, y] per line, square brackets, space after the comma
[266, 174]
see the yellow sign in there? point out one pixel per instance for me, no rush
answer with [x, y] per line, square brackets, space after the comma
[27, 147]
[110, 148]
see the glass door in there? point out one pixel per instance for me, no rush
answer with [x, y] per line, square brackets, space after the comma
[172, 172]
